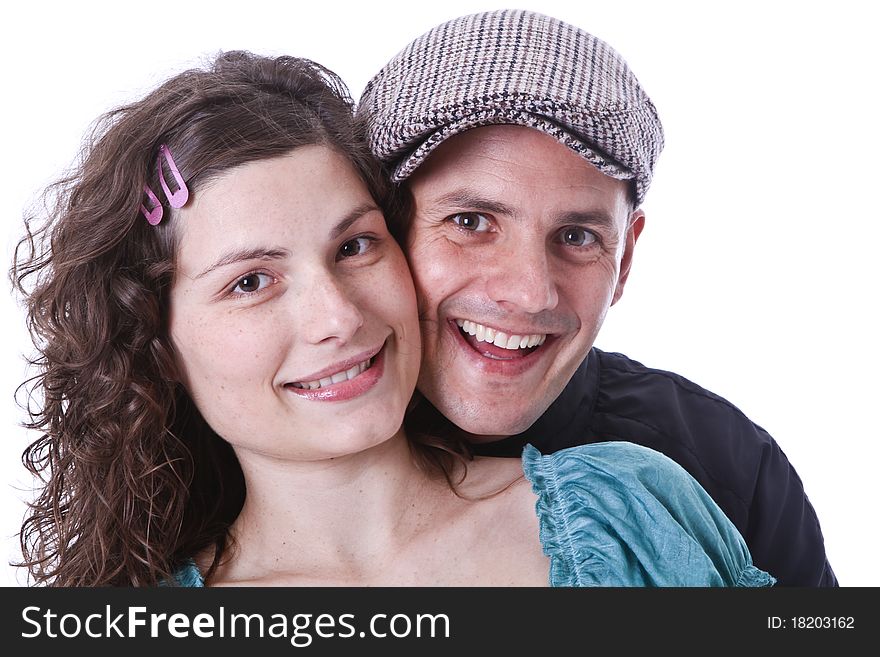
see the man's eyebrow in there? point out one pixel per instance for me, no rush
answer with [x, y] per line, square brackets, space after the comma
[598, 218]
[465, 198]
[346, 222]
[241, 255]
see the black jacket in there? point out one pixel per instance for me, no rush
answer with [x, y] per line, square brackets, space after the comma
[612, 397]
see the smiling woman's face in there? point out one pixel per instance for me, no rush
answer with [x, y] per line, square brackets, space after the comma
[293, 313]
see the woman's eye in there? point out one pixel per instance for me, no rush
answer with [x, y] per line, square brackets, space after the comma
[354, 247]
[576, 236]
[253, 283]
[472, 221]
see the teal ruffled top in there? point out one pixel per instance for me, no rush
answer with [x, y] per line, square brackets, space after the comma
[189, 575]
[619, 514]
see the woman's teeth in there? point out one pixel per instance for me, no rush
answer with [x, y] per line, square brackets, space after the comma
[339, 377]
[500, 338]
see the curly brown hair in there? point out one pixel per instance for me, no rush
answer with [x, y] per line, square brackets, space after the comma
[134, 480]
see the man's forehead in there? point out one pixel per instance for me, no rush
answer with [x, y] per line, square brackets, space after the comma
[463, 168]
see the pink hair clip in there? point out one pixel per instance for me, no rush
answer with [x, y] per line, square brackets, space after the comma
[176, 199]
[179, 198]
[154, 214]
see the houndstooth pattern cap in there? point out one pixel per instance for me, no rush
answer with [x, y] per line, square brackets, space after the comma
[513, 67]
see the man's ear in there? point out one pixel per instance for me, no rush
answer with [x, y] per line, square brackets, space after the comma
[636, 224]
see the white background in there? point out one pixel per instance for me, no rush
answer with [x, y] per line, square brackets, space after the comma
[756, 275]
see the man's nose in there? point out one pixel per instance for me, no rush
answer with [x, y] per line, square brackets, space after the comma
[326, 311]
[521, 276]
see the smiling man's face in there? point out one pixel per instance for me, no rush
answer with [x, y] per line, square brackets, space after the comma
[518, 247]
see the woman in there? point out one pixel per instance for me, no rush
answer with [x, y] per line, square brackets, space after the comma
[228, 343]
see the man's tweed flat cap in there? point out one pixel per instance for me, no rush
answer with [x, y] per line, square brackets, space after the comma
[513, 67]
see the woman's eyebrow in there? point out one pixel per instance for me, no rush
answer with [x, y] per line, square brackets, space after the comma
[345, 223]
[240, 255]
[266, 253]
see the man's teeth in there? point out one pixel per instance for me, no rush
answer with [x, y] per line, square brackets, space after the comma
[339, 377]
[500, 338]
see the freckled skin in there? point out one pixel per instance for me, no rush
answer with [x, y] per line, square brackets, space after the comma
[517, 269]
[244, 330]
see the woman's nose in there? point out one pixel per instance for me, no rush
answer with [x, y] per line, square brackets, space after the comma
[327, 312]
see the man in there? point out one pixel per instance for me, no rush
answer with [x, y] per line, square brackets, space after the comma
[527, 146]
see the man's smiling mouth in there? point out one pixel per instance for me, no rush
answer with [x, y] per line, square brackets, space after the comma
[490, 341]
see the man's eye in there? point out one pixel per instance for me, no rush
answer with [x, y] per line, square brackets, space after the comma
[354, 247]
[576, 236]
[253, 282]
[473, 221]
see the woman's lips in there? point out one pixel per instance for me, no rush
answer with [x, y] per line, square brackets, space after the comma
[344, 388]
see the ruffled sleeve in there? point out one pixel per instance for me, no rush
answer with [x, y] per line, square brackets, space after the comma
[619, 514]
[189, 575]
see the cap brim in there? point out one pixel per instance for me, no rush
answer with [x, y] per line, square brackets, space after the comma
[495, 116]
